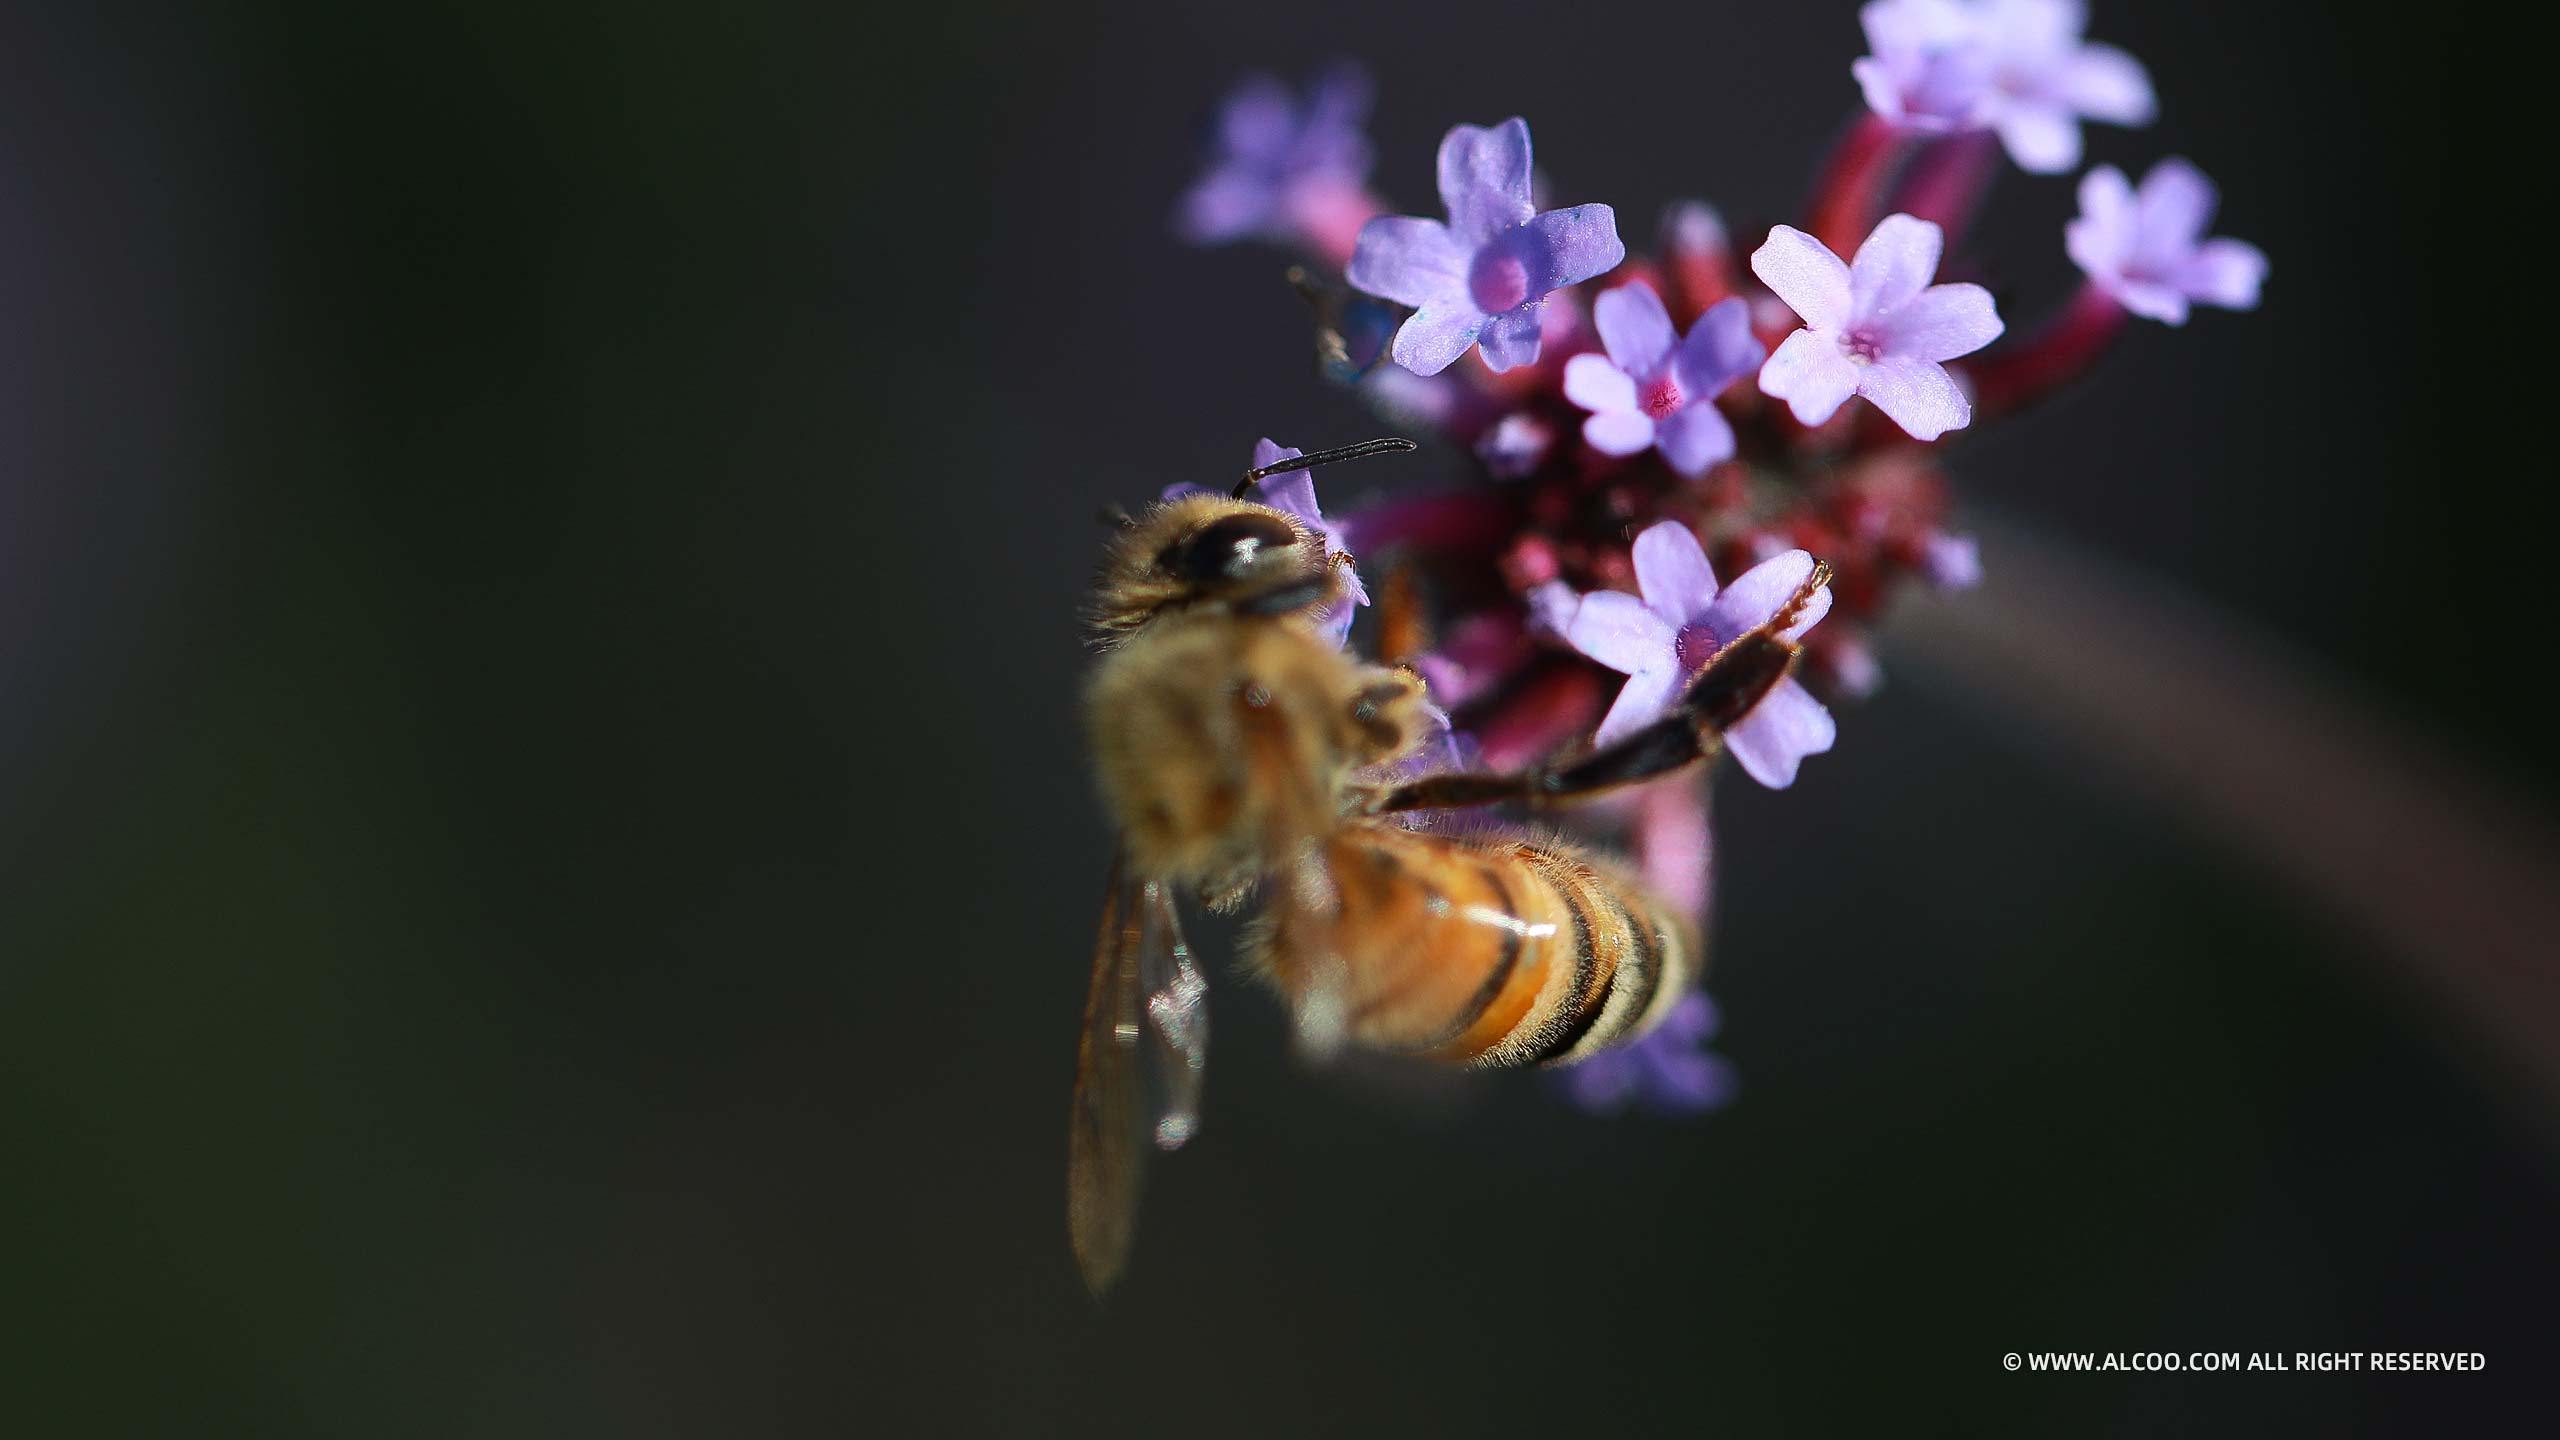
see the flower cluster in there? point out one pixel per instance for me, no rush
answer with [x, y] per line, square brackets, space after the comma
[1646, 424]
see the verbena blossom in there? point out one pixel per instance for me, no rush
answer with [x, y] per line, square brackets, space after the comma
[1295, 493]
[1281, 163]
[1925, 67]
[1482, 278]
[1874, 327]
[1541, 650]
[2147, 248]
[1669, 1069]
[2019, 67]
[1655, 389]
[1661, 641]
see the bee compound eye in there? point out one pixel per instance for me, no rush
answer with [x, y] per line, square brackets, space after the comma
[1226, 548]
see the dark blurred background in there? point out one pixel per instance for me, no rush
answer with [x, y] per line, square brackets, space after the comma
[548, 875]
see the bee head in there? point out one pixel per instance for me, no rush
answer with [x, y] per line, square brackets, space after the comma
[1208, 549]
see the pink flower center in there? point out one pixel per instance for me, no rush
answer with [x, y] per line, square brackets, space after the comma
[1695, 645]
[1497, 282]
[1661, 396]
[1861, 345]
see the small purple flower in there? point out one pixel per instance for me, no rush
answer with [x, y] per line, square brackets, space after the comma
[1295, 493]
[1669, 1069]
[1954, 562]
[1655, 388]
[1875, 327]
[1482, 278]
[2019, 67]
[2146, 248]
[1277, 159]
[1662, 641]
[1926, 67]
[2045, 79]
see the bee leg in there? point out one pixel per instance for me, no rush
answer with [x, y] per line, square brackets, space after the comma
[1387, 715]
[1740, 676]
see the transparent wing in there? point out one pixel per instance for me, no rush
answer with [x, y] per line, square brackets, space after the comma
[1138, 1068]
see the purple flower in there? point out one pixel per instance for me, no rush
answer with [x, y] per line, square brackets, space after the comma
[1295, 493]
[1655, 388]
[1662, 641]
[1482, 278]
[2016, 66]
[1875, 327]
[1279, 161]
[1954, 562]
[2146, 248]
[1926, 67]
[2044, 78]
[1668, 1069]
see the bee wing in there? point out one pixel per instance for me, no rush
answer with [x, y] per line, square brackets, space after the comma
[1138, 1068]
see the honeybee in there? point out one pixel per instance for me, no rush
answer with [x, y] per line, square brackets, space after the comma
[1240, 751]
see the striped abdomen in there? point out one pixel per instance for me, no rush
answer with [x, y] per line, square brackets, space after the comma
[1481, 950]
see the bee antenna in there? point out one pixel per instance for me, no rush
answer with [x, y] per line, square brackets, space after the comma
[1116, 514]
[1386, 445]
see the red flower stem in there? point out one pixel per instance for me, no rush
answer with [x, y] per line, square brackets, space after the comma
[1945, 182]
[1455, 520]
[2016, 376]
[1852, 183]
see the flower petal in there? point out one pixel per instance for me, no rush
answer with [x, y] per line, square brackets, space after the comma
[1641, 701]
[1694, 437]
[1943, 322]
[1805, 274]
[1484, 178]
[1954, 562]
[2177, 203]
[1619, 631]
[1635, 328]
[1897, 262]
[1673, 573]
[2151, 299]
[1591, 382]
[1409, 260]
[1919, 395]
[1510, 339]
[1227, 204]
[1567, 247]
[1432, 339]
[1780, 731]
[1552, 606]
[1619, 432]
[1259, 120]
[1720, 350]
[2225, 273]
[1811, 375]
[1683, 1080]
[2043, 138]
[2104, 83]
[1759, 593]
[2101, 240]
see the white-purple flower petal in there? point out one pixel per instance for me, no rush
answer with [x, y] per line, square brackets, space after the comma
[1656, 389]
[1483, 278]
[2146, 247]
[1661, 641]
[2018, 67]
[1875, 328]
